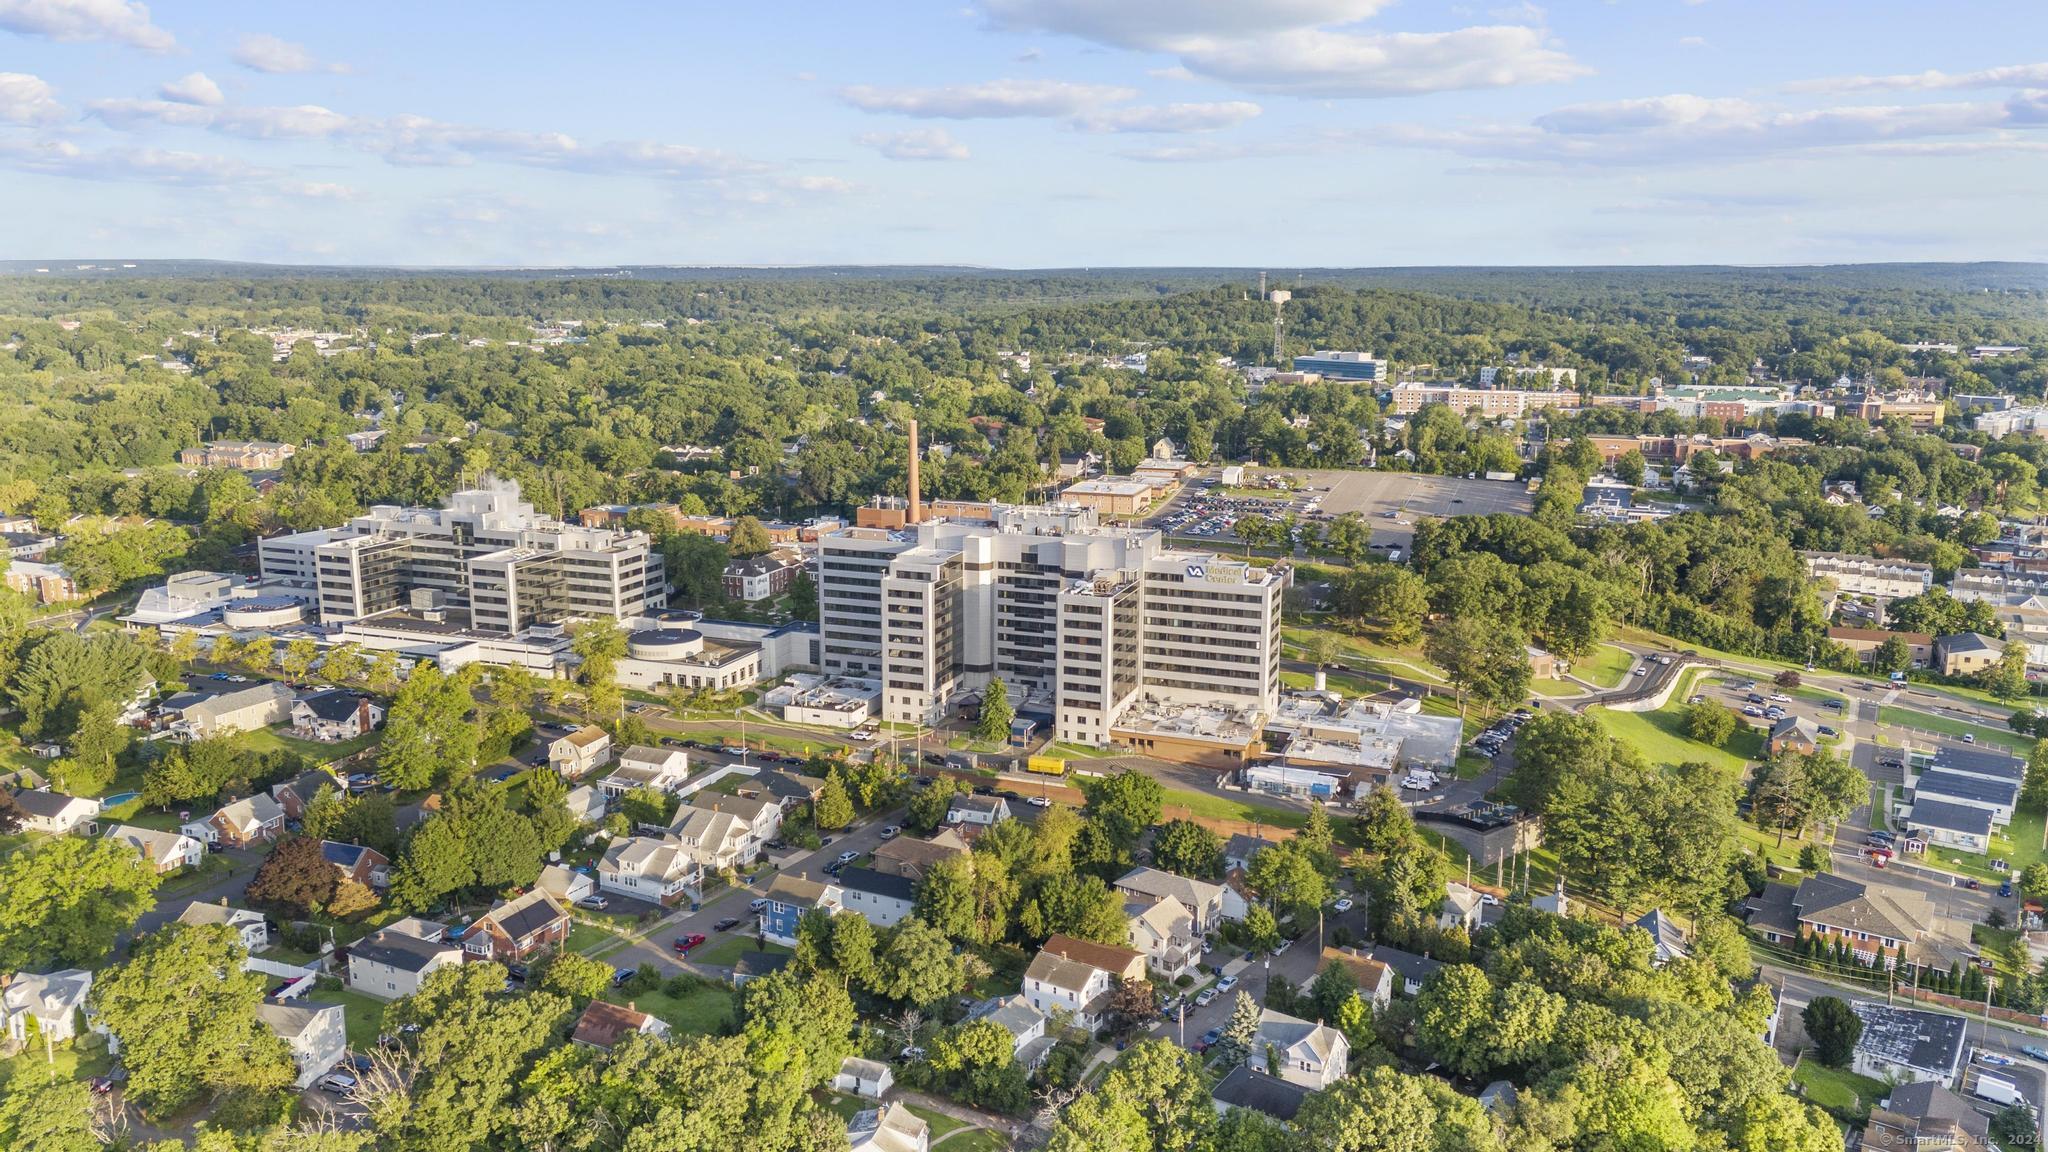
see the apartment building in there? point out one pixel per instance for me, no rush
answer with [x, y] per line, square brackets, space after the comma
[242, 455]
[487, 554]
[1342, 365]
[1869, 575]
[1056, 605]
[1492, 403]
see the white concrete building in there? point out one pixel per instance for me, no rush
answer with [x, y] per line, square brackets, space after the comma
[1870, 575]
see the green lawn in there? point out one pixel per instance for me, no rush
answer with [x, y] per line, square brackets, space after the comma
[1838, 1090]
[940, 1122]
[978, 1140]
[363, 1015]
[1360, 653]
[1226, 808]
[267, 739]
[703, 1011]
[1605, 665]
[726, 951]
[584, 936]
[1337, 680]
[1660, 737]
[74, 1061]
[1556, 688]
[1950, 726]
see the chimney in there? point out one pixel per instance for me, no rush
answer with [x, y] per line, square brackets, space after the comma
[914, 515]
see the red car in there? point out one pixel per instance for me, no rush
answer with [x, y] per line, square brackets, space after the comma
[685, 943]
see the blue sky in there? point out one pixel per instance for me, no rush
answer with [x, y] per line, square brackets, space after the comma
[1026, 133]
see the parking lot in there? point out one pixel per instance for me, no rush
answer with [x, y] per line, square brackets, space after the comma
[1389, 501]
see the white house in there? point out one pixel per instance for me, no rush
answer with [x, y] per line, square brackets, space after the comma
[586, 804]
[881, 899]
[1202, 900]
[392, 964]
[715, 840]
[54, 1001]
[967, 808]
[1162, 929]
[581, 752]
[166, 851]
[315, 1033]
[761, 816]
[54, 812]
[331, 717]
[1079, 976]
[1462, 908]
[869, 1078]
[1025, 1024]
[250, 926]
[659, 870]
[892, 1127]
[243, 710]
[1907, 1045]
[1311, 1055]
[655, 769]
[566, 884]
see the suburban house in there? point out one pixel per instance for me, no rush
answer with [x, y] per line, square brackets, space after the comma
[1248, 1086]
[1314, 1056]
[1793, 734]
[243, 710]
[167, 851]
[604, 1024]
[1982, 763]
[517, 928]
[986, 811]
[654, 769]
[911, 858]
[581, 752]
[881, 899]
[315, 1033]
[869, 1078]
[1162, 929]
[790, 789]
[1875, 923]
[53, 1000]
[1908, 1045]
[251, 820]
[1374, 978]
[1966, 653]
[392, 964]
[566, 885]
[1667, 938]
[753, 965]
[294, 794]
[1202, 900]
[1963, 827]
[1462, 908]
[250, 926]
[716, 840]
[585, 804]
[761, 817]
[365, 866]
[789, 897]
[1998, 797]
[1926, 1115]
[1025, 1024]
[1079, 976]
[1865, 642]
[658, 870]
[54, 812]
[1240, 848]
[331, 717]
[1410, 969]
[890, 1127]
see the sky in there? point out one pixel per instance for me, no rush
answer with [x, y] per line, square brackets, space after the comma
[1026, 133]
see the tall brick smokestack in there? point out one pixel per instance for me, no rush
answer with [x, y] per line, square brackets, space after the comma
[916, 513]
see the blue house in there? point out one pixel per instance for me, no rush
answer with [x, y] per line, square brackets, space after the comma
[789, 897]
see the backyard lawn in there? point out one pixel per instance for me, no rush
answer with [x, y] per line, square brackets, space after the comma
[267, 739]
[726, 951]
[704, 1010]
[363, 1015]
[584, 936]
[1836, 1089]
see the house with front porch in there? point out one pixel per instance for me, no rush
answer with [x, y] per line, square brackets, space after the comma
[517, 929]
[1203, 901]
[1162, 929]
[1314, 1056]
[656, 869]
[1079, 976]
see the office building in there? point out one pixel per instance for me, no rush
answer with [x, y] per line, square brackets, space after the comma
[487, 554]
[1342, 365]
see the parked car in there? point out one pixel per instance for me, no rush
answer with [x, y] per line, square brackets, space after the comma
[339, 1083]
[726, 925]
[1827, 731]
[1995, 1059]
[1226, 984]
[1205, 997]
[891, 832]
[912, 1052]
[2034, 1051]
[1208, 1039]
[594, 903]
[1039, 802]
[685, 943]
[1343, 904]
[620, 977]
[848, 857]
[757, 905]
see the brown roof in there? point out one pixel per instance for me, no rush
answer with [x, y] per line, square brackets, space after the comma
[585, 736]
[1370, 974]
[604, 1024]
[1104, 956]
[921, 854]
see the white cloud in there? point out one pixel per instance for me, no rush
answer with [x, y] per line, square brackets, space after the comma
[1315, 62]
[996, 99]
[1153, 23]
[1168, 117]
[130, 165]
[1308, 47]
[2010, 76]
[195, 88]
[1692, 41]
[917, 144]
[26, 99]
[1679, 129]
[261, 52]
[312, 190]
[822, 185]
[76, 21]
[252, 122]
